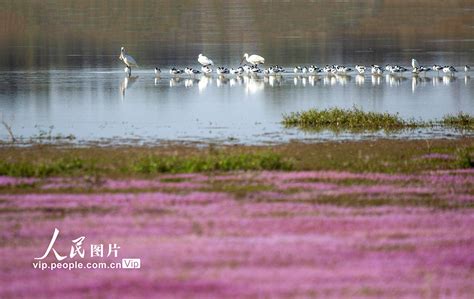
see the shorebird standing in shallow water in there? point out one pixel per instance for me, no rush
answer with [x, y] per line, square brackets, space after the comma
[396, 69]
[253, 59]
[376, 70]
[238, 71]
[157, 72]
[128, 71]
[360, 69]
[222, 70]
[437, 68]
[467, 68]
[449, 69]
[343, 70]
[127, 59]
[174, 71]
[206, 69]
[204, 61]
[313, 69]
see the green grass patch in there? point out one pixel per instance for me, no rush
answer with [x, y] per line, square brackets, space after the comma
[62, 166]
[214, 162]
[95, 163]
[354, 119]
[357, 120]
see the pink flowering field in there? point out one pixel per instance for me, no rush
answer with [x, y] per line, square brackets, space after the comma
[317, 234]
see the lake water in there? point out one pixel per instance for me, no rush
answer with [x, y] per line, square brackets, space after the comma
[60, 73]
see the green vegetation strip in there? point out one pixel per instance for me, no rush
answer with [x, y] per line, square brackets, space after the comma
[337, 119]
[381, 155]
[149, 164]
[214, 162]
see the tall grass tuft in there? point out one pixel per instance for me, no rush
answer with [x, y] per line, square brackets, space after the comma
[459, 121]
[346, 119]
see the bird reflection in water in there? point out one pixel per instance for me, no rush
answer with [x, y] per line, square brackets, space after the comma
[393, 80]
[312, 80]
[376, 79]
[175, 81]
[188, 83]
[448, 79]
[343, 79]
[221, 81]
[436, 80]
[204, 82]
[126, 83]
[236, 81]
[254, 85]
[360, 80]
[273, 80]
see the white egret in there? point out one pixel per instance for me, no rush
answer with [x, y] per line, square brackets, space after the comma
[204, 60]
[253, 59]
[127, 59]
[414, 63]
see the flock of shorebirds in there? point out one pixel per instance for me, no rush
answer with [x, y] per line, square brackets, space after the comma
[252, 68]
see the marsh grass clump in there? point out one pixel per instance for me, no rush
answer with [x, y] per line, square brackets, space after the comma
[63, 166]
[346, 119]
[459, 121]
[465, 158]
[214, 162]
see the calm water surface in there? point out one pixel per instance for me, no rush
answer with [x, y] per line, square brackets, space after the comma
[60, 73]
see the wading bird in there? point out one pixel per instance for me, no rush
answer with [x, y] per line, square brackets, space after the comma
[253, 59]
[204, 61]
[360, 69]
[222, 70]
[128, 71]
[157, 72]
[449, 69]
[437, 68]
[174, 71]
[206, 69]
[127, 59]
